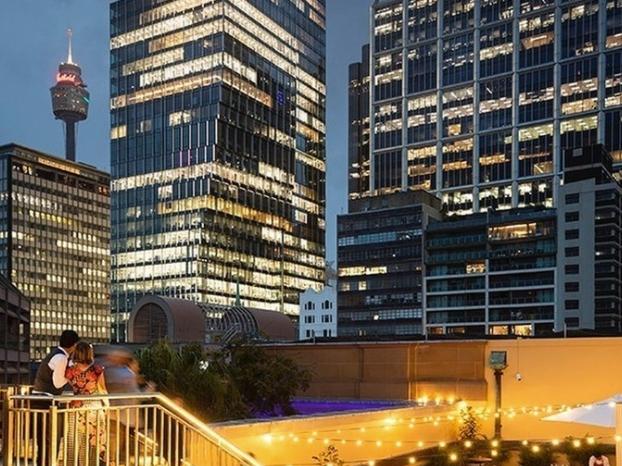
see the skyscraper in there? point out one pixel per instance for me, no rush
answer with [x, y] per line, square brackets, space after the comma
[217, 151]
[358, 128]
[55, 243]
[476, 100]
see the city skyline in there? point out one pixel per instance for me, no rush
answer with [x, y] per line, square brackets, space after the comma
[28, 85]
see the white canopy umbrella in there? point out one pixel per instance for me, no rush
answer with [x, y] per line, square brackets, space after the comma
[602, 413]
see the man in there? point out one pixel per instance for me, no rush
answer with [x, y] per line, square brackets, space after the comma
[50, 381]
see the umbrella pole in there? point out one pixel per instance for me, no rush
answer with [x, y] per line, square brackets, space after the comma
[618, 437]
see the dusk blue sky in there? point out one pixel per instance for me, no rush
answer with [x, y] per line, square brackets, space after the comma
[32, 34]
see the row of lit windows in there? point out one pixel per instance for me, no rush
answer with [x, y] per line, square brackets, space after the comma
[458, 66]
[579, 23]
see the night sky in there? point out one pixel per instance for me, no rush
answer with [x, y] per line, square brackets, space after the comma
[32, 34]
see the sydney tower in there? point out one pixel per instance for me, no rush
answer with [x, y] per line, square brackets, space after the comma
[70, 100]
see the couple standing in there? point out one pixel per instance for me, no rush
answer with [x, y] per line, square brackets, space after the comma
[72, 364]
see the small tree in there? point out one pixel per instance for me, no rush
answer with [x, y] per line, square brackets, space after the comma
[267, 382]
[328, 457]
[469, 428]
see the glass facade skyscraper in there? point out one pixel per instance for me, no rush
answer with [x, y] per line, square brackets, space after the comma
[358, 128]
[218, 159]
[55, 244]
[476, 100]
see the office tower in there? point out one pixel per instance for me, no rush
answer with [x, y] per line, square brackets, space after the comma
[491, 273]
[15, 334]
[590, 243]
[476, 100]
[70, 100]
[55, 243]
[380, 256]
[217, 114]
[358, 127]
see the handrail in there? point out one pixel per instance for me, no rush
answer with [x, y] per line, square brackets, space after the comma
[59, 405]
[195, 422]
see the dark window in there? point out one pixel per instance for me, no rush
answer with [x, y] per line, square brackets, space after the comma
[572, 304]
[571, 286]
[571, 321]
[572, 252]
[572, 198]
[572, 269]
[572, 216]
[458, 59]
[422, 68]
[572, 234]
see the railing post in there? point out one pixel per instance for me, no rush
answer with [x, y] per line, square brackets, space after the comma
[53, 436]
[7, 427]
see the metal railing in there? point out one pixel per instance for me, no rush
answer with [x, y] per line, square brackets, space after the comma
[110, 430]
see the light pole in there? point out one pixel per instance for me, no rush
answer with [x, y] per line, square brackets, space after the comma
[498, 363]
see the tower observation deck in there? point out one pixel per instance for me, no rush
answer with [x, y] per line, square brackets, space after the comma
[70, 100]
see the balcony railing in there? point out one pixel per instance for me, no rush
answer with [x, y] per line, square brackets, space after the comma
[111, 430]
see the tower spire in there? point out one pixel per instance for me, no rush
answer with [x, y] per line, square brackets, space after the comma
[69, 52]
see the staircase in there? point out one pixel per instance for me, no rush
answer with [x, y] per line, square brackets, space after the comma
[112, 430]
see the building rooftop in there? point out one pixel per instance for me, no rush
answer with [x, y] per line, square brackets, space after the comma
[393, 201]
[59, 163]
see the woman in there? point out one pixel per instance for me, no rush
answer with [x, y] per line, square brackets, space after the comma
[598, 459]
[87, 435]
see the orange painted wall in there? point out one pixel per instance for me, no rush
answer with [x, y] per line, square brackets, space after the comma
[554, 372]
[393, 371]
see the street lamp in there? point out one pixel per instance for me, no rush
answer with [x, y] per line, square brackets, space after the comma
[498, 363]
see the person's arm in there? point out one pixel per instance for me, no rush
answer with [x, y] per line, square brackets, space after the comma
[592, 461]
[58, 365]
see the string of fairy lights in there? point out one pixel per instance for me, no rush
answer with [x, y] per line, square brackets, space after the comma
[354, 436]
[453, 456]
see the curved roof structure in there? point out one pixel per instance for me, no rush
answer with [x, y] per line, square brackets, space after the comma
[156, 318]
[182, 321]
